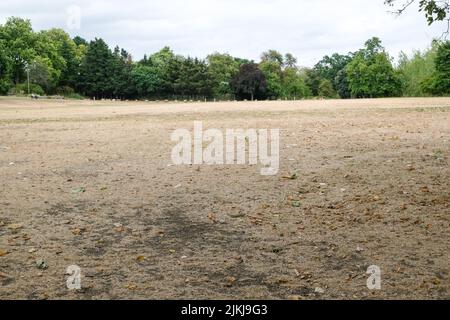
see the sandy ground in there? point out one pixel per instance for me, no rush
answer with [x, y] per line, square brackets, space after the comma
[372, 188]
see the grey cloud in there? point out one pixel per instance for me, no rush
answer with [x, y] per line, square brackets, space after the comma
[308, 29]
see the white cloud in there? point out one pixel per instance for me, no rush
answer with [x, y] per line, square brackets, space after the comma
[308, 29]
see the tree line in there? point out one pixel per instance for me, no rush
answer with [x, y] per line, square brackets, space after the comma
[51, 62]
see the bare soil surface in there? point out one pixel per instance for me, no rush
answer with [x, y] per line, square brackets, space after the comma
[91, 184]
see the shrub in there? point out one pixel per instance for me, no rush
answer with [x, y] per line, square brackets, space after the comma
[5, 86]
[326, 89]
[22, 89]
[75, 96]
[65, 91]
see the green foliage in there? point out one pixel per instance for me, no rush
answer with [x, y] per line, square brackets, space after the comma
[434, 10]
[294, 84]
[273, 73]
[65, 91]
[371, 75]
[329, 67]
[272, 56]
[271, 65]
[96, 70]
[166, 65]
[75, 96]
[41, 73]
[290, 61]
[313, 80]
[417, 71]
[18, 38]
[5, 86]
[442, 75]
[146, 80]
[342, 85]
[193, 79]
[22, 89]
[67, 56]
[55, 63]
[438, 83]
[221, 69]
[326, 89]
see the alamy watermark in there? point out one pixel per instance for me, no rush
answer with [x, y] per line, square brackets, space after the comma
[74, 280]
[374, 280]
[73, 17]
[215, 147]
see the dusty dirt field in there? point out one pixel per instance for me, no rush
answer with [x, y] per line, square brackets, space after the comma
[373, 189]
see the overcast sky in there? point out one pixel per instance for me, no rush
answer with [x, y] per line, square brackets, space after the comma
[309, 29]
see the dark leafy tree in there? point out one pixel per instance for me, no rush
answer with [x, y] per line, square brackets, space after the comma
[146, 80]
[290, 61]
[250, 82]
[313, 80]
[5, 69]
[40, 73]
[121, 74]
[443, 68]
[326, 89]
[80, 41]
[329, 67]
[193, 79]
[95, 71]
[342, 85]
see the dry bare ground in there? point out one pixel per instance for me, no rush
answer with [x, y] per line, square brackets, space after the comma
[372, 189]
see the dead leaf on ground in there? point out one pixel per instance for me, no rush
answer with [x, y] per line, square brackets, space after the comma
[212, 217]
[15, 226]
[78, 231]
[293, 176]
[231, 281]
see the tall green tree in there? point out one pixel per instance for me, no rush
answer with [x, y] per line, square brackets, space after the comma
[442, 75]
[329, 67]
[193, 79]
[326, 89]
[313, 80]
[416, 71]
[371, 75]
[41, 73]
[271, 65]
[167, 66]
[342, 85]
[68, 56]
[5, 69]
[18, 38]
[121, 74]
[95, 70]
[146, 80]
[222, 68]
[294, 84]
